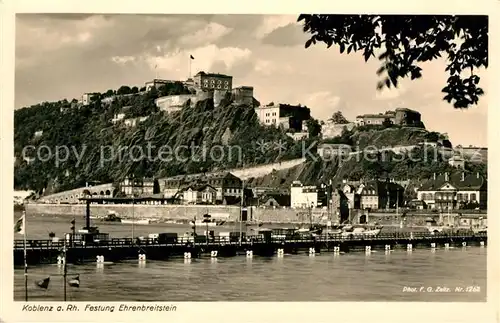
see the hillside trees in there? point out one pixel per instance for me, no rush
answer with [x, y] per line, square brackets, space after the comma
[338, 118]
[88, 131]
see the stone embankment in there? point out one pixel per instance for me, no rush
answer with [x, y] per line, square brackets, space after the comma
[232, 213]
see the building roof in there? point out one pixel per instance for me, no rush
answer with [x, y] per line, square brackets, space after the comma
[376, 116]
[198, 187]
[160, 81]
[472, 181]
[243, 87]
[202, 73]
[282, 199]
[379, 186]
[407, 110]
[202, 177]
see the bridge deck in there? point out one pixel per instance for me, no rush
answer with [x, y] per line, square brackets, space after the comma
[393, 238]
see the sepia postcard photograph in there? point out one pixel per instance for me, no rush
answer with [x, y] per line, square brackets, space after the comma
[161, 158]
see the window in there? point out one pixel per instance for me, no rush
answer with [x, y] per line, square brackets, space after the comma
[459, 197]
[473, 197]
[466, 196]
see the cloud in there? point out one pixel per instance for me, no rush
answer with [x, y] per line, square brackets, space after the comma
[390, 93]
[206, 35]
[271, 23]
[62, 16]
[205, 59]
[322, 104]
[289, 35]
[267, 67]
[35, 41]
[122, 59]
[62, 56]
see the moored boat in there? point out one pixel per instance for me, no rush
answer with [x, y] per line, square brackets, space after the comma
[140, 221]
[112, 217]
[211, 223]
[350, 231]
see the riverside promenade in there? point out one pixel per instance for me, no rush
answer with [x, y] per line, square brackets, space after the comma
[121, 249]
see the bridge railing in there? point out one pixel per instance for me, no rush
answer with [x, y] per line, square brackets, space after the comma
[180, 241]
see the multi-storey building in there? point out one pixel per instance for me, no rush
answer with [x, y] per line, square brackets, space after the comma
[157, 83]
[87, 98]
[374, 194]
[339, 205]
[196, 194]
[283, 115]
[137, 186]
[303, 196]
[407, 117]
[401, 116]
[243, 95]
[226, 185]
[457, 161]
[213, 81]
[454, 191]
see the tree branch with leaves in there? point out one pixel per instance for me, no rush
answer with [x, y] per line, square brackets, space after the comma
[403, 42]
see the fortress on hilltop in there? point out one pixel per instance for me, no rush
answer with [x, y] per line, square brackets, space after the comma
[205, 86]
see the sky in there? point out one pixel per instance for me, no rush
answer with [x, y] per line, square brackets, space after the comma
[61, 56]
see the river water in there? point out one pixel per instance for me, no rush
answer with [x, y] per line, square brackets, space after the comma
[324, 277]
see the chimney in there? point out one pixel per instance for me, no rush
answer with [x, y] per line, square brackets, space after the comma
[463, 176]
[446, 177]
[434, 176]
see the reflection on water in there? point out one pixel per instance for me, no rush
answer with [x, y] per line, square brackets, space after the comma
[378, 276]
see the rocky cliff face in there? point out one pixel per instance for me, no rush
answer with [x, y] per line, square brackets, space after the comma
[198, 138]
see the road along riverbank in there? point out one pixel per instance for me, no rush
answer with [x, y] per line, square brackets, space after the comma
[232, 213]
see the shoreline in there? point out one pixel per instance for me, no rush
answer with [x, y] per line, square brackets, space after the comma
[255, 215]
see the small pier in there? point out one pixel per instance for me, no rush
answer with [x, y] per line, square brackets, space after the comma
[120, 249]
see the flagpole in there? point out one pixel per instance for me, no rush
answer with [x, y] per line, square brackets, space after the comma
[189, 66]
[241, 208]
[25, 259]
[64, 267]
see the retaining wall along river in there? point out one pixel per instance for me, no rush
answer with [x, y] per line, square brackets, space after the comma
[232, 213]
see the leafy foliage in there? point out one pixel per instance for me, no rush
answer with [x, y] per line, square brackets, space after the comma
[313, 128]
[88, 131]
[338, 118]
[416, 166]
[406, 41]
